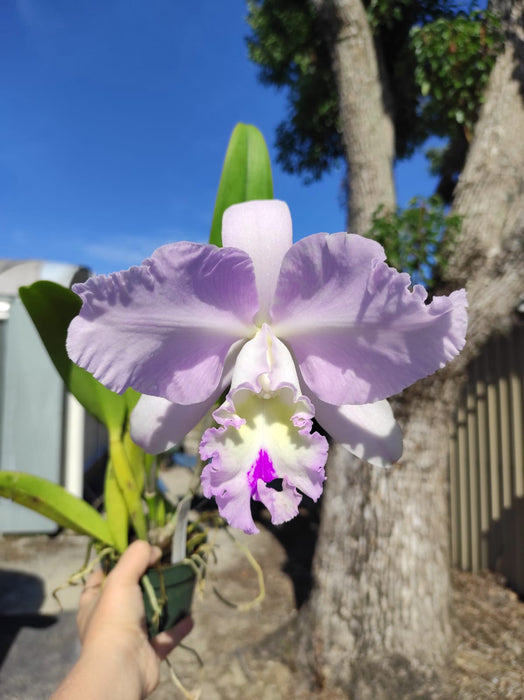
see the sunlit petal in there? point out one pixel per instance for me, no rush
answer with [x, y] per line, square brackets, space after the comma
[165, 327]
[369, 430]
[356, 329]
[158, 425]
[282, 505]
[264, 230]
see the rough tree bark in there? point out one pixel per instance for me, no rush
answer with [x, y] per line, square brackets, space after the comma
[367, 126]
[377, 623]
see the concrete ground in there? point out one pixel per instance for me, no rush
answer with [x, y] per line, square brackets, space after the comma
[38, 642]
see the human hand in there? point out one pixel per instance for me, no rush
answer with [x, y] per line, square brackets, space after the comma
[111, 620]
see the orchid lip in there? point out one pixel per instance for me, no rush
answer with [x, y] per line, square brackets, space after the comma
[263, 448]
[262, 469]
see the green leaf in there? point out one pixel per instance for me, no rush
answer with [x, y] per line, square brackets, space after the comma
[136, 457]
[116, 509]
[56, 503]
[246, 174]
[131, 397]
[52, 308]
[125, 479]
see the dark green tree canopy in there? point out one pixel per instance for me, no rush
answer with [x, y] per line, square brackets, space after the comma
[288, 44]
[435, 58]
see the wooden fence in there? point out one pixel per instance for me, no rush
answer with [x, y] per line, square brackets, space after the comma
[487, 463]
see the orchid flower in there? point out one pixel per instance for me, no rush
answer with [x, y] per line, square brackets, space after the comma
[320, 329]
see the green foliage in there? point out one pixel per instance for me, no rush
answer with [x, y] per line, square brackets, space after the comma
[246, 174]
[115, 508]
[417, 239]
[435, 60]
[455, 56]
[288, 45]
[385, 15]
[56, 503]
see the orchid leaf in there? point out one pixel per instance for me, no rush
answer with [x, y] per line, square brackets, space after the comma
[136, 457]
[52, 308]
[125, 479]
[56, 503]
[131, 396]
[246, 174]
[116, 509]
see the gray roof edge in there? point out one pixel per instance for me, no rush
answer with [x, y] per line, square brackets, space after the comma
[17, 273]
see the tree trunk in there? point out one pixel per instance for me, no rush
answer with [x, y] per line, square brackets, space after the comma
[490, 191]
[377, 624]
[367, 127]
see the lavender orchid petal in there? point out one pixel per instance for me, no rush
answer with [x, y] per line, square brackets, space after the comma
[157, 424]
[357, 331]
[165, 328]
[282, 505]
[368, 431]
[263, 229]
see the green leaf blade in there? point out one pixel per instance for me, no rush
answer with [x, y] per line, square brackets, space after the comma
[54, 502]
[116, 509]
[246, 174]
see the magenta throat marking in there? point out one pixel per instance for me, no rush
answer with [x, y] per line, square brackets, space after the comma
[261, 469]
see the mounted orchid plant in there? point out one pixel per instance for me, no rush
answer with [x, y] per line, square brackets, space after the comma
[265, 335]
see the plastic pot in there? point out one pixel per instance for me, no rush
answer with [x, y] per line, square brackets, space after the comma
[173, 586]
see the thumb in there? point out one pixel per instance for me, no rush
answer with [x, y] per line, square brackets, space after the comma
[134, 562]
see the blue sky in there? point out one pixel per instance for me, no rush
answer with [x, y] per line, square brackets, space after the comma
[115, 119]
